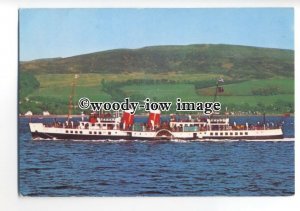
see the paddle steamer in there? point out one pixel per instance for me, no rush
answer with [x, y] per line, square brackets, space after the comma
[109, 127]
[106, 127]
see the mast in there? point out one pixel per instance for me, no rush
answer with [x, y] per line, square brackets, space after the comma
[217, 90]
[71, 97]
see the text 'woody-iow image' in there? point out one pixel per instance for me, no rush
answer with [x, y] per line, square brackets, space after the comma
[156, 102]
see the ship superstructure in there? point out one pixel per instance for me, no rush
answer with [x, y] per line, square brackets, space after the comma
[106, 126]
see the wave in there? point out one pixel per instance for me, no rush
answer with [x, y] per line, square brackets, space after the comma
[173, 140]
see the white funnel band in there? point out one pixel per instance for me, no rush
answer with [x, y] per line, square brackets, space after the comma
[155, 111]
[129, 111]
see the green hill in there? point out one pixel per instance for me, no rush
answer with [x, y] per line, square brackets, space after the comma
[255, 79]
[27, 84]
[240, 62]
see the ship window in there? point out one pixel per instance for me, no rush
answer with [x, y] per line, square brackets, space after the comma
[241, 133]
[95, 132]
[104, 124]
[236, 133]
[76, 131]
[82, 123]
[67, 131]
[231, 134]
[221, 134]
[71, 131]
[109, 133]
[115, 132]
[90, 132]
[211, 134]
[99, 133]
[226, 134]
[216, 134]
[246, 133]
[93, 124]
[80, 132]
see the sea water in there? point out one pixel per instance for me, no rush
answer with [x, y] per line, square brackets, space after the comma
[157, 168]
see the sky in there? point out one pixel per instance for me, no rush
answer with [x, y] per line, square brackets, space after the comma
[49, 33]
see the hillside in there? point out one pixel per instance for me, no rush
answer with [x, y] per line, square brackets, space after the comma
[256, 80]
[27, 84]
[234, 61]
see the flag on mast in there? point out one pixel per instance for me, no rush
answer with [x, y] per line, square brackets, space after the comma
[221, 80]
[219, 88]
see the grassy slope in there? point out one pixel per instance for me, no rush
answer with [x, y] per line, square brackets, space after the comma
[27, 84]
[170, 92]
[88, 85]
[259, 67]
[93, 79]
[284, 86]
[234, 61]
[163, 92]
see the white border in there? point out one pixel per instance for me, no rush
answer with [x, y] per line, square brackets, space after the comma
[9, 199]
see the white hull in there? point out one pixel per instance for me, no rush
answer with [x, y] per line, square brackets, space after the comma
[38, 130]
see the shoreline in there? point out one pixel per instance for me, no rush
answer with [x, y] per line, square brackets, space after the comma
[145, 115]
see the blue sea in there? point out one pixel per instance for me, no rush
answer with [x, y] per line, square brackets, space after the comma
[157, 168]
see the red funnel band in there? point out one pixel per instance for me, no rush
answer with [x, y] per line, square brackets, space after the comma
[127, 119]
[154, 118]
